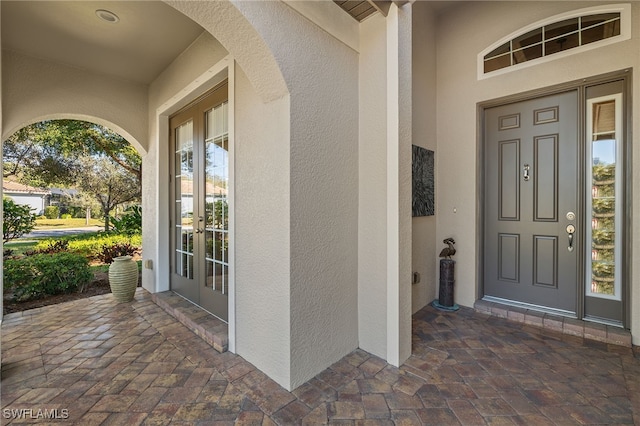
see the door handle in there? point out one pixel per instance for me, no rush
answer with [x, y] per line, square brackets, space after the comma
[570, 230]
[525, 172]
[199, 230]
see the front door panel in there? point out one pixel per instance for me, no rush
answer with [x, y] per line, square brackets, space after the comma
[531, 184]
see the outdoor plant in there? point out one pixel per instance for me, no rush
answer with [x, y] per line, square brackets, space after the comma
[52, 247]
[17, 220]
[130, 222]
[51, 212]
[35, 276]
[91, 245]
[110, 252]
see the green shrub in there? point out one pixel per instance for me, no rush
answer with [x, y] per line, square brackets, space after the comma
[51, 247]
[90, 245]
[65, 216]
[35, 276]
[130, 222]
[52, 212]
[108, 253]
[77, 212]
[17, 220]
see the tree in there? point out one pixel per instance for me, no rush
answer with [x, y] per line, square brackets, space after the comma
[76, 136]
[47, 153]
[84, 201]
[109, 183]
[69, 153]
[30, 155]
[17, 220]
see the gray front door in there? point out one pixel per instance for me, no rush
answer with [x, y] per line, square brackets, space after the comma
[532, 228]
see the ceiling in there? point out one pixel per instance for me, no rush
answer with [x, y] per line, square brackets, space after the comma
[359, 10]
[362, 9]
[147, 38]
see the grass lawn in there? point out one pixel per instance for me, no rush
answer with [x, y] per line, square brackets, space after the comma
[20, 247]
[66, 223]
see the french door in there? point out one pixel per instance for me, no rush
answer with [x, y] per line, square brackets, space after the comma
[554, 203]
[200, 210]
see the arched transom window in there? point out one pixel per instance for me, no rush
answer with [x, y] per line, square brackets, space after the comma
[562, 34]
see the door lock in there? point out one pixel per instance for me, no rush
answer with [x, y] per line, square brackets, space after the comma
[570, 230]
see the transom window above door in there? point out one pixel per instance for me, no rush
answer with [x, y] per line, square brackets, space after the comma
[557, 36]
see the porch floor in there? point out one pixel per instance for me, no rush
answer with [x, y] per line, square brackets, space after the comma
[100, 362]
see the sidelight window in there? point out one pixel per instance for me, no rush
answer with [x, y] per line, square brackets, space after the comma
[604, 206]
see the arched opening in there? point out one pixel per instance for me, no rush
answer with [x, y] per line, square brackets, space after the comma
[72, 191]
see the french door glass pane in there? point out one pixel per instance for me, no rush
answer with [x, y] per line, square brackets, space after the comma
[217, 207]
[603, 279]
[184, 200]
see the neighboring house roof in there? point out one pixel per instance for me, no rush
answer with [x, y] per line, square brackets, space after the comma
[186, 186]
[63, 192]
[12, 187]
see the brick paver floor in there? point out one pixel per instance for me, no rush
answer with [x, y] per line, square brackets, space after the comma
[94, 362]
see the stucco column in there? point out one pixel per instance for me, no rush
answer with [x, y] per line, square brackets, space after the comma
[1, 192]
[399, 184]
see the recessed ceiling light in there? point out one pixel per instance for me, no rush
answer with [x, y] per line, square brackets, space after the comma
[107, 16]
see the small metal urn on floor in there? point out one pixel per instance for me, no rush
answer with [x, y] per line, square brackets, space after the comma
[447, 278]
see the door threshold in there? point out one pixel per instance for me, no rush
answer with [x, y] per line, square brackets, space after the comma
[609, 334]
[205, 325]
[604, 321]
[530, 306]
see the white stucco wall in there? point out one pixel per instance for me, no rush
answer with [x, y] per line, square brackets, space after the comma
[187, 77]
[372, 199]
[399, 139]
[260, 200]
[464, 31]
[319, 205]
[322, 76]
[384, 221]
[424, 255]
[35, 90]
[262, 234]
[227, 24]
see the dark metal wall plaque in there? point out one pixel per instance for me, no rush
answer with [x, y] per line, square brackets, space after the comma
[423, 182]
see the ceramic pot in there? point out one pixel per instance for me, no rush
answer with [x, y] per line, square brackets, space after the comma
[123, 278]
